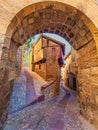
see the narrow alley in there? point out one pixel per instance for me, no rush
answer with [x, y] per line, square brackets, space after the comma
[58, 113]
[48, 65]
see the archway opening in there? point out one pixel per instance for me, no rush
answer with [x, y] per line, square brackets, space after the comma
[72, 25]
[27, 47]
[39, 54]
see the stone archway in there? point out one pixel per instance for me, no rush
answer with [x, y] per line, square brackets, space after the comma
[71, 24]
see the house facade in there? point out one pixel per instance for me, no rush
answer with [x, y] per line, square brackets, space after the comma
[70, 69]
[47, 57]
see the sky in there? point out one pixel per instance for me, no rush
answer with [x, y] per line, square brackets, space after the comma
[55, 37]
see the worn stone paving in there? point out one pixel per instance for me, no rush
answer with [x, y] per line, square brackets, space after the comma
[30, 89]
[37, 81]
[18, 96]
[59, 113]
[25, 90]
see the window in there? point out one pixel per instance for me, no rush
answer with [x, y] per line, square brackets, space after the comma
[47, 42]
[39, 66]
[53, 48]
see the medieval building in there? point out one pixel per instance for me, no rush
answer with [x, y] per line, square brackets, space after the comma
[77, 22]
[48, 57]
[70, 70]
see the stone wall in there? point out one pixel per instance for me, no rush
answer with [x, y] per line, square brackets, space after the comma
[40, 69]
[5, 91]
[85, 69]
[19, 62]
[38, 51]
[52, 62]
[52, 90]
[48, 69]
[87, 82]
[70, 69]
[66, 21]
[7, 76]
[1, 46]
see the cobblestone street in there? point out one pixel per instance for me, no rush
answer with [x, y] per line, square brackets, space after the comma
[49, 65]
[24, 90]
[58, 113]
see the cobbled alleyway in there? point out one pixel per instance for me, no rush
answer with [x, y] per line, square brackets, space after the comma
[58, 113]
[25, 90]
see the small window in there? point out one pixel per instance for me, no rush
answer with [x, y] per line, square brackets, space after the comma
[47, 42]
[53, 48]
[39, 66]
